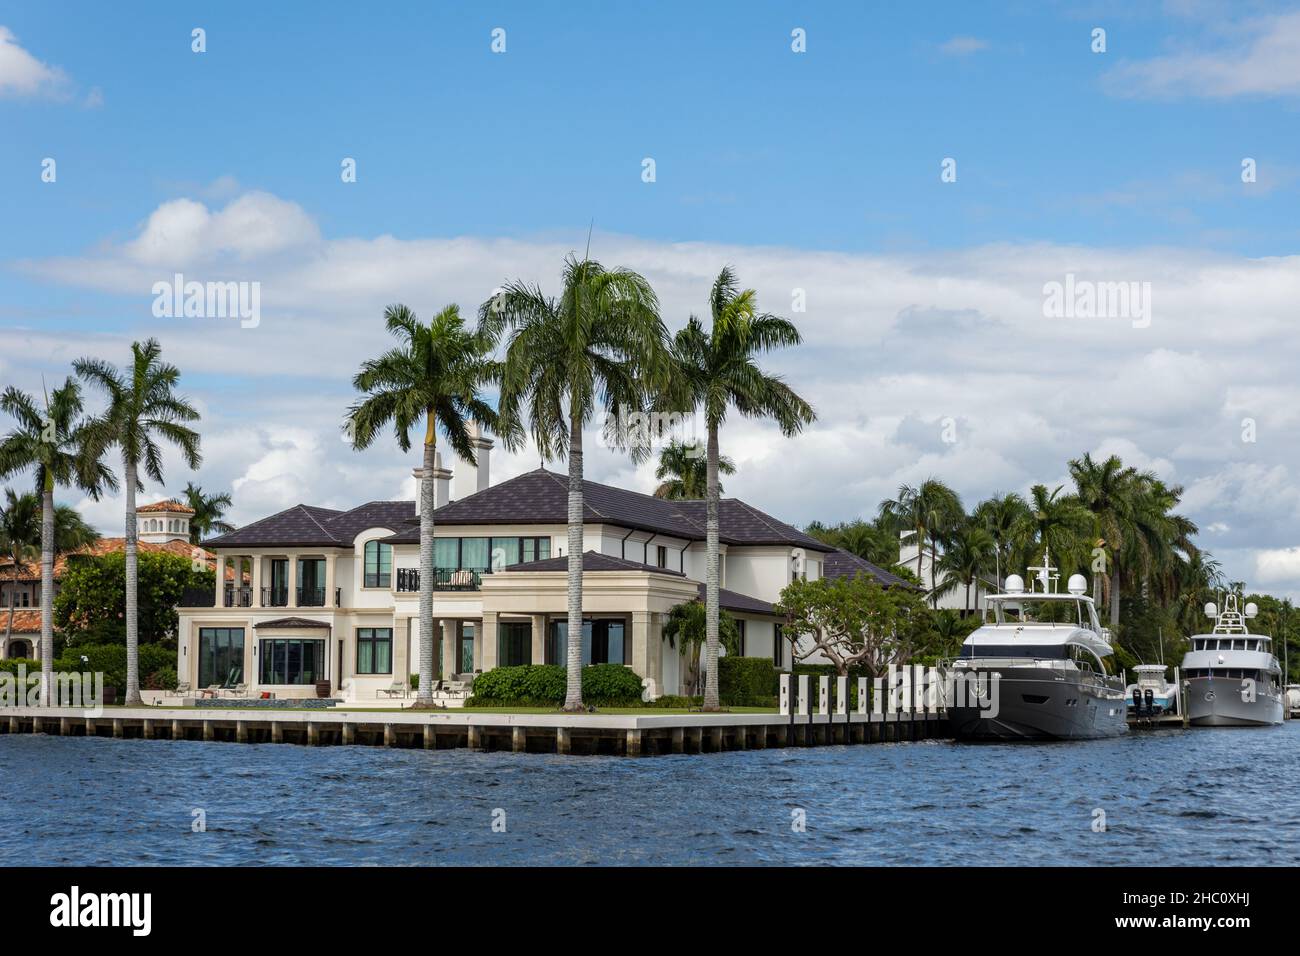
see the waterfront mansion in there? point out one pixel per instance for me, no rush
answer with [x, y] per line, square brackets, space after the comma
[314, 596]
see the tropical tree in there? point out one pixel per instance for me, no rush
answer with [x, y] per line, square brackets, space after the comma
[20, 535]
[1055, 523]
[717, 369]
[209, 513]
[927, 511]
[143, 408]
[969, 553]
[434, 376]
[686, 629]
[999, 516]
[71, 531]
[52, 442]
[683, 471]
[872, 541]
[1109, 491]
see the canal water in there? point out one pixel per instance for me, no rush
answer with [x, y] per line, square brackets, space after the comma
[1168, 797]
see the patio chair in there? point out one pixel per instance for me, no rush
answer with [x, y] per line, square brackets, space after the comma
[212, 690]
[396, 689]
[183, 688]
[239, 690]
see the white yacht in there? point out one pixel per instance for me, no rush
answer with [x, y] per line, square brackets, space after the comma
[1233, 679]
[1038, 665]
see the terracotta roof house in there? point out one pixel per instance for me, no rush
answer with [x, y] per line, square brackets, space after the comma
[332, 596]
[24, 641]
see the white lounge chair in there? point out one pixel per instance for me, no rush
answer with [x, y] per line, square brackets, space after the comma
[396, 689]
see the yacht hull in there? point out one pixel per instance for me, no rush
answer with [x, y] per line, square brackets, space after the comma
[1037, 704]
[1218, 703]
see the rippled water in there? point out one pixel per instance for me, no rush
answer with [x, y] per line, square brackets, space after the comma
[1170, 797]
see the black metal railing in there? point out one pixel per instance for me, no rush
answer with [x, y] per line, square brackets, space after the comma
[241, 596]
[444, 579]
[338, 597]
[275, 597]
[311, 597]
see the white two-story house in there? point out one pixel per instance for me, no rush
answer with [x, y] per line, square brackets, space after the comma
[315, 595]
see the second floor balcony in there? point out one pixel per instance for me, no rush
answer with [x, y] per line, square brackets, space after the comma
[444, 579]
[242, 596]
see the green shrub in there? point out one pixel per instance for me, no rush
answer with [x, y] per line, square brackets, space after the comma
[545, 685]
[11, 665]
[746, 681]
[673, 702]
[111, 660]
[162, 679]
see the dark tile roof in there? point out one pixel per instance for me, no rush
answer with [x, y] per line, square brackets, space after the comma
[292, 622]
[593, 561]
[542, 497]
[309, 526]
[735, 601]
[844, 564]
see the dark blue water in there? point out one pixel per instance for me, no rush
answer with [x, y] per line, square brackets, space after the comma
[1172, 797]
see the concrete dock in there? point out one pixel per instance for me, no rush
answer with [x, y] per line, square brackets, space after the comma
[612, 734]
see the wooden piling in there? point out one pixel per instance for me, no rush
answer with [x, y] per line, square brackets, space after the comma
[178, 731]
[209, 730]
[241, 732]
[349, 732]
[313, 734]
[390, 735]
[632, 748]
[563, 741]
[518, 739]
[117, 727]
[430, 737]
[475, 736]
[277, 732]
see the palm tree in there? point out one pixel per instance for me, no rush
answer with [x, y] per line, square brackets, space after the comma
[683, 472]
[872, 541]
[1055, 523]
[20, 535]
[927, 511]
[1108, 490]
[601, 341]
[717, 369]
[142, 407]
[999, 516]
[434, 376]
[71, 531]
[969, 553]
[52, 441]
[209, 513]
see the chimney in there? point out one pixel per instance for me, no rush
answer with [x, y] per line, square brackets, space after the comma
[441, 483]
[467, 479]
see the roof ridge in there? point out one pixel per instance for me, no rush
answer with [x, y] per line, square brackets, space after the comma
[306, 509]
[585, 480]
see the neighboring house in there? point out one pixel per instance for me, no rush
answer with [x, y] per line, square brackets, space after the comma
[954, 599]
[26, 638]
[334, 595]
[163, 526]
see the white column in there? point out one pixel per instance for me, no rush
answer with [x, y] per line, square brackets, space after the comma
[221, 580]
[255, 578]
[291, 599]
[330, 558]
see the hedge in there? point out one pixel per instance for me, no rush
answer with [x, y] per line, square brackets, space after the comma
[545, 685]
[155, 662]
[746, 681]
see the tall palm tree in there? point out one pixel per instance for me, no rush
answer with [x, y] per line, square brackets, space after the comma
[717, 369]
[1108, 490]
[52, 441]
[999, 516]
[143, 407]
[1056, 523]
[20, 535]
[209, 513]
[433, 376]
[683, 472]
[927, 511]
[71, 531]
[968, 554]
[600, 342]
[874, 541]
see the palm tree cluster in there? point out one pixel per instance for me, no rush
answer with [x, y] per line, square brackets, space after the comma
[599, 346]
[1116, 524]
[63, 445]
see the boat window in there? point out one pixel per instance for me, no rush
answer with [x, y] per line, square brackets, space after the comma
[1037, 651]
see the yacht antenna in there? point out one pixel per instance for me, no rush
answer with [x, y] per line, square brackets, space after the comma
[1045, 576]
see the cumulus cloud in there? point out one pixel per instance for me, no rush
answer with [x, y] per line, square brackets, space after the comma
[22, 75]
[894, 345]
[962, 46]
[1260, 57]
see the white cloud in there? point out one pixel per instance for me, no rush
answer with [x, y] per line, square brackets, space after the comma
[894, 344]
[24, 76]
[1260, 57]
[1278, 565]
[962, 46]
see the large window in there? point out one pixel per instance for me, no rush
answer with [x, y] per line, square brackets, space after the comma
[292, 660]
[514, 643]
[221, 656]
[466, 648]
[488, 554]
[374, 650]
[379, 564]
[604, 641]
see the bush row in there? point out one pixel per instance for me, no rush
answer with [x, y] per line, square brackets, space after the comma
[157, 664]
[544, 685]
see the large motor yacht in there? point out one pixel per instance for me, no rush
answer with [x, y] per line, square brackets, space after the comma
[1037, 664]
[1233, 679]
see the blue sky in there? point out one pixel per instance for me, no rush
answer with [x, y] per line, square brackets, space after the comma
[815, 171]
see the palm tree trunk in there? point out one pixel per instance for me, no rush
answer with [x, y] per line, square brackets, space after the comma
[920, 550]
[47, 590]
[934, 574]
[13, 602]
[573, 695]
[1114, 595]
[132, 588]
[711, 586]
[424, 693]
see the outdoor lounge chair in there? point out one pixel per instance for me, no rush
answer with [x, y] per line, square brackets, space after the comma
[239, 690]
[396, 689]
[183, 688]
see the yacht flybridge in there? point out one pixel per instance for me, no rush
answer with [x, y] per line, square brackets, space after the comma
[1233, 678]
[1040, 654]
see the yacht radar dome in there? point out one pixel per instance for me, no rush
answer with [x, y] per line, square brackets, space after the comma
[1077, 584]
[1211, 609]
[1015, 584]
[1252, 609]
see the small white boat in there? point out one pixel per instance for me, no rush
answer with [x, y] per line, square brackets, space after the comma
[1158, 695]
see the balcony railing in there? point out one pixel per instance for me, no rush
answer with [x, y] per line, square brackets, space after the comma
[311, 597]
[275, 597]
[444, 579]
[241, 596]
